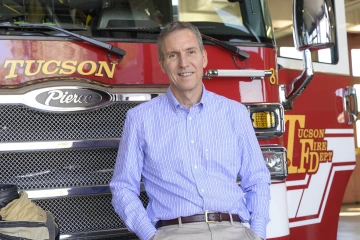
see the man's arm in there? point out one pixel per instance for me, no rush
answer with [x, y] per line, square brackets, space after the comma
[125, 183]
[255, 178]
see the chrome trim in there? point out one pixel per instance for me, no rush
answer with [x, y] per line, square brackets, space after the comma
[314, 24]
[237, 73]
[103, 234]
[72, 191]
[278, 149]
[57, 145]
[349, 115]
[282, 97]
[68, 192]
[298, 85]
[279, 130]
[76, 102]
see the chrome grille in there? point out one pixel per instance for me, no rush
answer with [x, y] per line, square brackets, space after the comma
[86, 213]
[65, 168]
[54, 169]
[20, 123]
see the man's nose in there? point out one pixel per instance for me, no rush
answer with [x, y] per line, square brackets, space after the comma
[183, 60]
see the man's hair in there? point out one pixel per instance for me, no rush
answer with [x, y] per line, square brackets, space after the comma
[175, 26]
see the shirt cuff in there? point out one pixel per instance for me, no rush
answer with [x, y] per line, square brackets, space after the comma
[259, 227]
[146, 231]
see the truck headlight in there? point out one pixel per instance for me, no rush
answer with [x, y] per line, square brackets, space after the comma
[267, 119]
[276, 161]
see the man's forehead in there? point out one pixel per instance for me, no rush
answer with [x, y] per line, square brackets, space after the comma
[180, 39]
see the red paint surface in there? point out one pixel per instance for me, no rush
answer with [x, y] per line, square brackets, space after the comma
[322, 108]
[139, 66]
[279, 238]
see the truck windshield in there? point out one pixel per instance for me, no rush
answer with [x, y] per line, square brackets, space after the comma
[235, 21]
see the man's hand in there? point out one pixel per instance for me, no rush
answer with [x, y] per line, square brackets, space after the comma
[152, 238]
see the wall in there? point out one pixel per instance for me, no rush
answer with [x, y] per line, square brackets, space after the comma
[352, 193]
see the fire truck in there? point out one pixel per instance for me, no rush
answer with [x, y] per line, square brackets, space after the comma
[71, 69]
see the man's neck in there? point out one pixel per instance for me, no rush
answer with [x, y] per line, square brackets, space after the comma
[188, 98]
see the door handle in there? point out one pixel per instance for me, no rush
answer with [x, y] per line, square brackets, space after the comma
[350, 105]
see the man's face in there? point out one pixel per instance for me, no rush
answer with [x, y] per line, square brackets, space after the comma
[183, 61]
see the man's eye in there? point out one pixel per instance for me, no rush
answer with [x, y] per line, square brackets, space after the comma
[172, 56]
[191, 52]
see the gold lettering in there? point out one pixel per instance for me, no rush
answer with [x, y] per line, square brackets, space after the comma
[293, 120]
[13, 64]
[300, 133]
[45, 69]
[322, 157]
[324, 146]
[306, 133]
[311, 133]
[330, 156]
[320, 146]
[109, 73]
[82, 65]
[311, 158]
[316, 133]
[68, 65]
[305, 151]
[34, 67]
[326, 156]
[314, 162]
[29, 63]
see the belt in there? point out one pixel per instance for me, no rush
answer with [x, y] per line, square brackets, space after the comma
[206, 217]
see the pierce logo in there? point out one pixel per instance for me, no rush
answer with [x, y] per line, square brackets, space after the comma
[67, 98]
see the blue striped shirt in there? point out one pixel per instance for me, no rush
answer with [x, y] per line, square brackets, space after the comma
[190, 161]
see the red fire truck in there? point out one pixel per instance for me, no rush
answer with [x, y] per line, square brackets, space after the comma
[71, 69]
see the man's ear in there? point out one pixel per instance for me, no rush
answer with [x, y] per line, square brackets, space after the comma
[205, 59]
[161, 63]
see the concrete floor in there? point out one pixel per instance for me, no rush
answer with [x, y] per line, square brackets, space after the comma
[349, 223]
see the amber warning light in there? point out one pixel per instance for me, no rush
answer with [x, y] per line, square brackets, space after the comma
[265, 119]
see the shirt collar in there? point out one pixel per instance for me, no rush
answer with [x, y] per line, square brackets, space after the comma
[175, 103]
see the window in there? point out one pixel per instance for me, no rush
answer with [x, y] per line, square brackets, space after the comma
[355, 59]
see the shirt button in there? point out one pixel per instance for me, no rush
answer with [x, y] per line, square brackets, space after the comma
[190, 118]
[202, 190]
[192, 141]
[195, 167]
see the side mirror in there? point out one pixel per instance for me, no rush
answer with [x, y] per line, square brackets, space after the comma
[314, 29]
[314, 24]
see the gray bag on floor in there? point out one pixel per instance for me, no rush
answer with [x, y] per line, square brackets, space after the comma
[22, 219]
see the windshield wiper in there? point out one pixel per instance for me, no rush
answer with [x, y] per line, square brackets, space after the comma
[242, 55]
[118, 52]
[145, 29]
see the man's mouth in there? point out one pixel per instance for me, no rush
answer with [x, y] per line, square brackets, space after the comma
[185, 74]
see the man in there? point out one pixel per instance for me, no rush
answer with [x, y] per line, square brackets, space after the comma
[190, 145]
